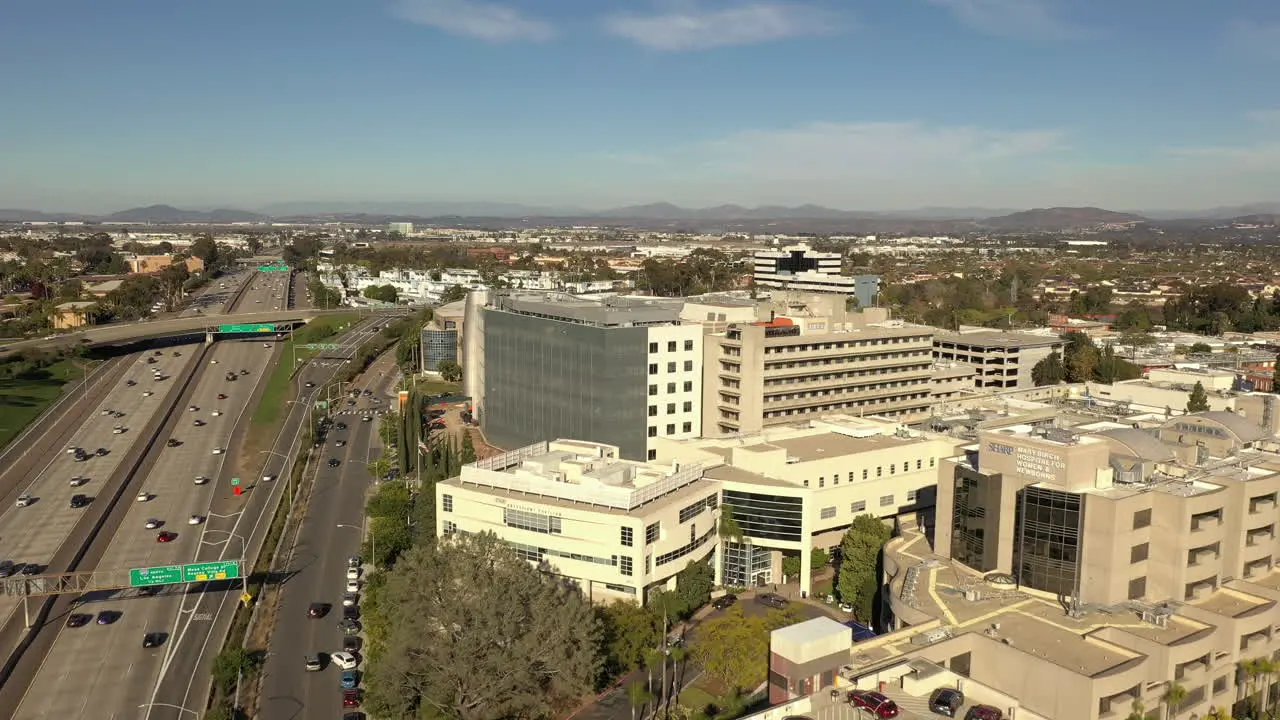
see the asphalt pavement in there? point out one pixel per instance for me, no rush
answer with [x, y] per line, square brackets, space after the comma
[329, 534]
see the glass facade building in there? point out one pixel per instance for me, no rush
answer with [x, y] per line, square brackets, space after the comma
[768, 517]
[975, 518]
[1046, 553]
[746, 565]
[438, 346]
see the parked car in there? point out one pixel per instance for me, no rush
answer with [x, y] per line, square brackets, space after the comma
[879, 705]
[984, 712]
[349, 680]
[350, 698]
[351, 644]
[946, 701]
[772, 600]
[344, 660]
[724, 601]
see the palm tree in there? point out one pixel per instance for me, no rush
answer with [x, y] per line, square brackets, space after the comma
[1218, 714]
[639, 696]
[1138, 711]
[679, 654]
[652, 657]
[1174, 696]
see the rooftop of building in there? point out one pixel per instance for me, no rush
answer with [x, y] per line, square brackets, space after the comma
[611, 311]
[996, 339]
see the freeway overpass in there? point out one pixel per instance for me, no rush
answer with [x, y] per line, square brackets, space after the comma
[147, 329]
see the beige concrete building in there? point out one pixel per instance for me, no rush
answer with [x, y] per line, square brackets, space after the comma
[1003, 359]
[70, 315]
[811, 358]
[616, 528]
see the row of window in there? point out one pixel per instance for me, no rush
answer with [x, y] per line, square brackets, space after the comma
[671, 429]
[537, 554]
[687, 406]
[804, 347]
[823, 377]
[841, 405]
[866, 387]
[671, 346]
[854, 360]
[532, 521]
[866, 472]
[671, 388]
[860, 506]
[671, 367]
[691, 511]
[680, 552]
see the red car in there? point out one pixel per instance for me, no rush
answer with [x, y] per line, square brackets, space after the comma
[166, 536]
[878, 704]
[350, 698]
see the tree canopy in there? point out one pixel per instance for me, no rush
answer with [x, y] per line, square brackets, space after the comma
[479, 634]
[382, 293]
[859, 577]
[1198, 399]
[734, 647]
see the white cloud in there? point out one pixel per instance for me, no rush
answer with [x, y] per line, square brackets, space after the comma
[1018, 19]
[695, 29]
[470, 18]
[1259, 39]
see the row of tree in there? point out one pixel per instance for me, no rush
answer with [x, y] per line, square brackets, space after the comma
[1082, 361]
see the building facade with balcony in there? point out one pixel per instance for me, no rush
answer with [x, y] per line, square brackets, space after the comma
[1002, 359]
[800, 268]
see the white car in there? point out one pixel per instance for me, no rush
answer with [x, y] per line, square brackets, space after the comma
[344, 660]
[195, 520]
[267, 345]
[268, 478]
[216, 413]
[152, 524]
[147, 393]
[353, 586]
[201, 480]
[213, 362]
[218, 451]
[353, 573]
[117, 430]
[350, 600]
[106, 411]
[79, 480]
[24, 500]
[193, 408]
[144, 496]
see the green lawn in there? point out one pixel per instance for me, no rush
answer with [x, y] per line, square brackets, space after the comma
[279, 391]
[22, 400]
[436, 387]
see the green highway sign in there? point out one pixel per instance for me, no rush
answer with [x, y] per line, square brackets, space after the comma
[217, 570]
[162, 575]
[273, 268]
[235, 482]
[254, 328]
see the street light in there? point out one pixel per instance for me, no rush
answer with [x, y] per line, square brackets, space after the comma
[373, 540]
[179, 708]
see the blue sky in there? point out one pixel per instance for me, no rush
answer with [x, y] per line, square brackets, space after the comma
[859, 104]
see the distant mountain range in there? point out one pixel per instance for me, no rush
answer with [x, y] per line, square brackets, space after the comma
[758, 219]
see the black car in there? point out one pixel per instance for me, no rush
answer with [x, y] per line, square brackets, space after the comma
[7, 568]
[724, 601]
[341, 426]
[351, 643]
[946, 701]
[349, 626]
[351, 612]
[32, 569]
[101, 452]
[106, 617]
[75, 620]
[317, 610]
[173, 442]
[333, 462]
[772, 600]
[149, 590]
[154, 639]
[79, 501]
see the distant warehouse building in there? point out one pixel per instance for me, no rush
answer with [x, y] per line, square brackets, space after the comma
[619, 371]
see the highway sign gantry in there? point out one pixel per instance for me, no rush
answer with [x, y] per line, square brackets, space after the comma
[251, 328]
[216, 570]
[273, 268]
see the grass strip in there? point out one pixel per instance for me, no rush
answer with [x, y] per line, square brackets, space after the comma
[24, 398]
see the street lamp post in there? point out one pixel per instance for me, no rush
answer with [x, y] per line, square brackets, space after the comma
[373, 540]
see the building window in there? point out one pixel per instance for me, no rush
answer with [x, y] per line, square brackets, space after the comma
[688, 345]
[653, 411]
[688, 366]
[806, 482]
[827, 512]
[626, 537]
[919, 464]
[450, 527]
[653, 431]
[534, 522]
[446, 503]
[1047, 528]
[651, 533]
[850, 476]
[766, 516]
[858, 506]
[653, 390]
[688, 406]
[892, 468]
[886, 500]
[686, 427]
[653, 347]
[911, 496]
[671, 346]
[822, 481]
[671, 388]
[647, 560]
[1138, 553]
[671, 408]
[879, 471]
[688, 386]
[1138, 588]
[689, 512]
[930, 462]
[624, 564]
[864, 473]
[1142, 519]
[652, 455]
[671, 367]
[671, 429]
[653, 368]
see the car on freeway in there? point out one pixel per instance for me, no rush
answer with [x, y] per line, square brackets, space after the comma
[117, 430]
[78, 480]
[153, 639]
[149, 590]
[879, 705]
[218, 451]
[350, 599]
[268, 477]
[101, 452]
[216, 413]
[201, 480]
[946, 701]
[106, 617]
[317, 610]
[165, 536]
[341, 443]
[153, 524]
[310, 384]
[313, 663]
[984, 712]
[130, 382]
[267, 345]
[105, 411]
[79, 501]
[193, 408]
[7, 568]
[340, 426]
[350, 698]
[349, 680]
[334, 462]
[173, 442]
[198, 422]
[367, 418]
[24, 500]
[80, 457]
[147, 393]
[724, 601]
[243, 371]
[75, 620]
[344, 660]
[144, 496]
[30, 569]
[222, 396]
[771, 600]
[195, 520]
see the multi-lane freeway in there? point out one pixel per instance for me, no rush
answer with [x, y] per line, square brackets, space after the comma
[330, 533]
